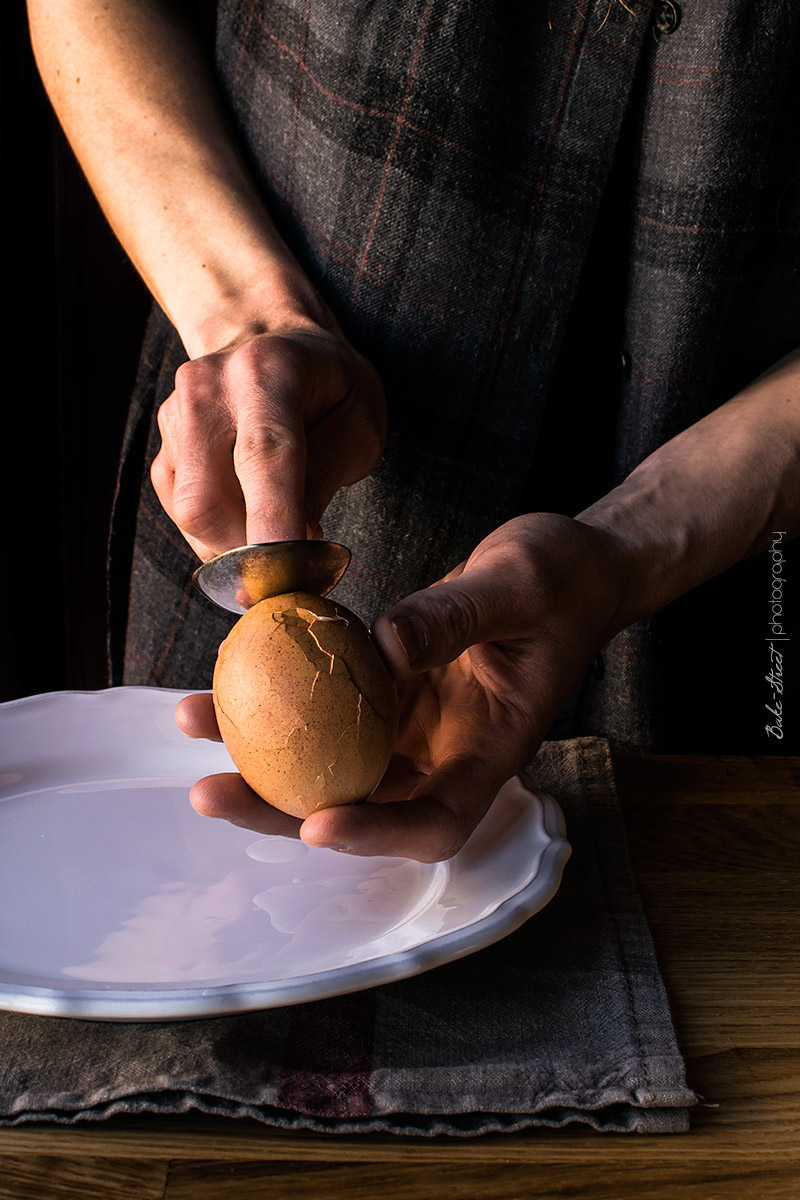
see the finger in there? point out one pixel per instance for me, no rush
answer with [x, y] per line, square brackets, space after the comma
[266, 382]
[227, 797]
[162, 477]
[195, 716]
[193, 474]
[431, 826]
[270, 465]
[434, 626]
[207, 505]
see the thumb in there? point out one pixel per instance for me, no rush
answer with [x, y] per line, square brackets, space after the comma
[434, 626]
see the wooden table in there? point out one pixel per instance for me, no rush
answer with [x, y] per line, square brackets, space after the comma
[715, 843]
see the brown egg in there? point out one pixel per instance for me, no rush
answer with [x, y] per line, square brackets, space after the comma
[305, 704]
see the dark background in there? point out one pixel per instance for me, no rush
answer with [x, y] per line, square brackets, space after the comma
[73, 325]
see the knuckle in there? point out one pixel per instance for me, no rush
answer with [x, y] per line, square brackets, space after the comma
[184, 372]
[246, 362]
[194, 371]
[195, 512]
[275, 359]
[261, 443]
[164, 417]
[160, 472]
[197, 384]
[187, 378]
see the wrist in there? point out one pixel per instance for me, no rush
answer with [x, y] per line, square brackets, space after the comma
[647, 551]
[230, 307]
[709, 497]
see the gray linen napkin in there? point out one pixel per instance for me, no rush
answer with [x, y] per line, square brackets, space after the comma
[565, 1020]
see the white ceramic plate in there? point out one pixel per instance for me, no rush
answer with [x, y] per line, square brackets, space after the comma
[119, 902]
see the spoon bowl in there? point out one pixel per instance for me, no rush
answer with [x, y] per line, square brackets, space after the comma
[242, 577]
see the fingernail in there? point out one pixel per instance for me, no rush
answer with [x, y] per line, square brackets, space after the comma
[408, 638]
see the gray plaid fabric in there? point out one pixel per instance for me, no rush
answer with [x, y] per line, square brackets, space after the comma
[562, 232]
[563, 1021]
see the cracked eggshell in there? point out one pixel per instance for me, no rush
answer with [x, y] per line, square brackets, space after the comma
[305, 704]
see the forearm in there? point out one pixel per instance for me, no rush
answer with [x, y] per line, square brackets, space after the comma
[709, 497]
[138, 102]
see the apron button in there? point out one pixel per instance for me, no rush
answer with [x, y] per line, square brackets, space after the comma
[668, 17]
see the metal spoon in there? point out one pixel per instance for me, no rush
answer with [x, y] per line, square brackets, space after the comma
[240, 578]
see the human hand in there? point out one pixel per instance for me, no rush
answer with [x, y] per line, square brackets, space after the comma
[484, 660]
[258, 437]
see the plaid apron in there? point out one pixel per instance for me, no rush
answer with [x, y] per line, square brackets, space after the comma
[562, 231]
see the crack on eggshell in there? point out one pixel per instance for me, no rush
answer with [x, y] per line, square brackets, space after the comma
[227, 716]
[313, 617]
[307, 614]
[314, 686]
[292, 733]
[331, 657]
[309, 618]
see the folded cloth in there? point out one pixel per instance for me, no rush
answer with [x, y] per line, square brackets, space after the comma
[564, 1020]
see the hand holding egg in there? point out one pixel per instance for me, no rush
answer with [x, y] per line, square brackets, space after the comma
[484, 661]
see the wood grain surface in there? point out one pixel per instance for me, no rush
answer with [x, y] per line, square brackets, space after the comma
[715, 844]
